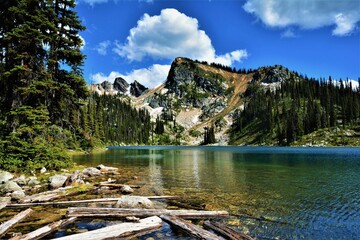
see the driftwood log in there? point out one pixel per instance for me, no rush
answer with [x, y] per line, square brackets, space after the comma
[128, 212]
[96, 200]
[47, 196]
[118, 230]
[42, 232]
[190, 228]
[17, 218]
[225, 231]
[2, 205]
[115, 185]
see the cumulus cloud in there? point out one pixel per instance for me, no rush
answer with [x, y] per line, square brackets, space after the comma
[288, 33]
[308, 14]
[102, 47]
[172, 34]
[149, 77]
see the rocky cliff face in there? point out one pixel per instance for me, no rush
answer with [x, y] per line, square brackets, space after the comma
[121, 85]
[137, 89]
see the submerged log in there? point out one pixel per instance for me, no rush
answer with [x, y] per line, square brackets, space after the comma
[190, 228]
[115, 185]
[47, 196]
[42, 232]
[118, 230]
[17, 218]
[225, 231]
[96, 200]
[2, 205]
[127, 212]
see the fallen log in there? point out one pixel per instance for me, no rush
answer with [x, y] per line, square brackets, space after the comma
[47, 196]
[190, 228]
[225, 231]
[127, 212]
[17, 218]
[42, 232]
[96, 200]
[2, 205]
[115, 185]
[118, 230]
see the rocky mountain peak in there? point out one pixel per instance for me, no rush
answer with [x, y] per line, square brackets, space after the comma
[121, 85]
[137, 89]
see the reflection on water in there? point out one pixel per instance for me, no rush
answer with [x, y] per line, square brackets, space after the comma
[287, 193]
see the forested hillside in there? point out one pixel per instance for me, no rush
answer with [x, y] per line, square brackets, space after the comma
[45, 105]
[282, 111]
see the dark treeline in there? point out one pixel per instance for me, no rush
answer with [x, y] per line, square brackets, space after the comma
[295, 108]
[45, 105]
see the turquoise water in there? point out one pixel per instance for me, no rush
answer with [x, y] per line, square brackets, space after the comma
[271, 192]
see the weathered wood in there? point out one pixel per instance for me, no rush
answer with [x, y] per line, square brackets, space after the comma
[96, 200]
[115, 185]
[3, 205]
[119, 230]
[225, 231]
[126, 212]
[46, 196]
[190, 228]
[17, 218]
[42, 232]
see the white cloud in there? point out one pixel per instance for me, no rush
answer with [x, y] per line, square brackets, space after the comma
[149, 77]
[102, 47]
[93, 2]
[83, 43]
[288, 33]
[308, 14]
[169, 35]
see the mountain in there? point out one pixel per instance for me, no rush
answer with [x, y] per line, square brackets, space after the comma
[120, 86]
[271, 105]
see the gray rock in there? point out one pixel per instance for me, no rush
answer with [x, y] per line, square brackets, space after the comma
[33, 181]
[76, 177]
[103, 168]
[106, 85]
[134, 202]
[121, 85]
[126, 189]
[57, 180]
[21, 180]
[91, 172]
[9, 187]
[137, 89]
[17, 195]
[43, 170]
[5, 176]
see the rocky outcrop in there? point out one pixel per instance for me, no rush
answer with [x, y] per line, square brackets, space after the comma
[121, 85]
[137, 89]
[106, 85]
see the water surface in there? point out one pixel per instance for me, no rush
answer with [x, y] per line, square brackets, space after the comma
[271, 192]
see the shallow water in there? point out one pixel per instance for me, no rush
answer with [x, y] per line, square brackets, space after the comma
[282, 193]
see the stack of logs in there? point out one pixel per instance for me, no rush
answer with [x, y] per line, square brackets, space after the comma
[146, 220]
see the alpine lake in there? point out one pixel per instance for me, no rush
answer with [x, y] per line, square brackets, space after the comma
[270, 192]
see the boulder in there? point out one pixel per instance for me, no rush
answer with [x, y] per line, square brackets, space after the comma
[76, 178]
[103, 168]
[91, 172]
[134, 202]
[121, 85]
[17, 195]
[33, 181]
[5, 176]
[21, 180]
[43, 170]
[57, 180]
[9, 187]
[126, 189]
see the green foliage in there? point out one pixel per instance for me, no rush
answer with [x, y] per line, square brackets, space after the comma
[299, 106]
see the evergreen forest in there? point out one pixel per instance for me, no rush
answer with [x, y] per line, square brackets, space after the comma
[296, 107]
[45, 104]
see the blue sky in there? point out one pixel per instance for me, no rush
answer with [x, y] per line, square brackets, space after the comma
[138, 39]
